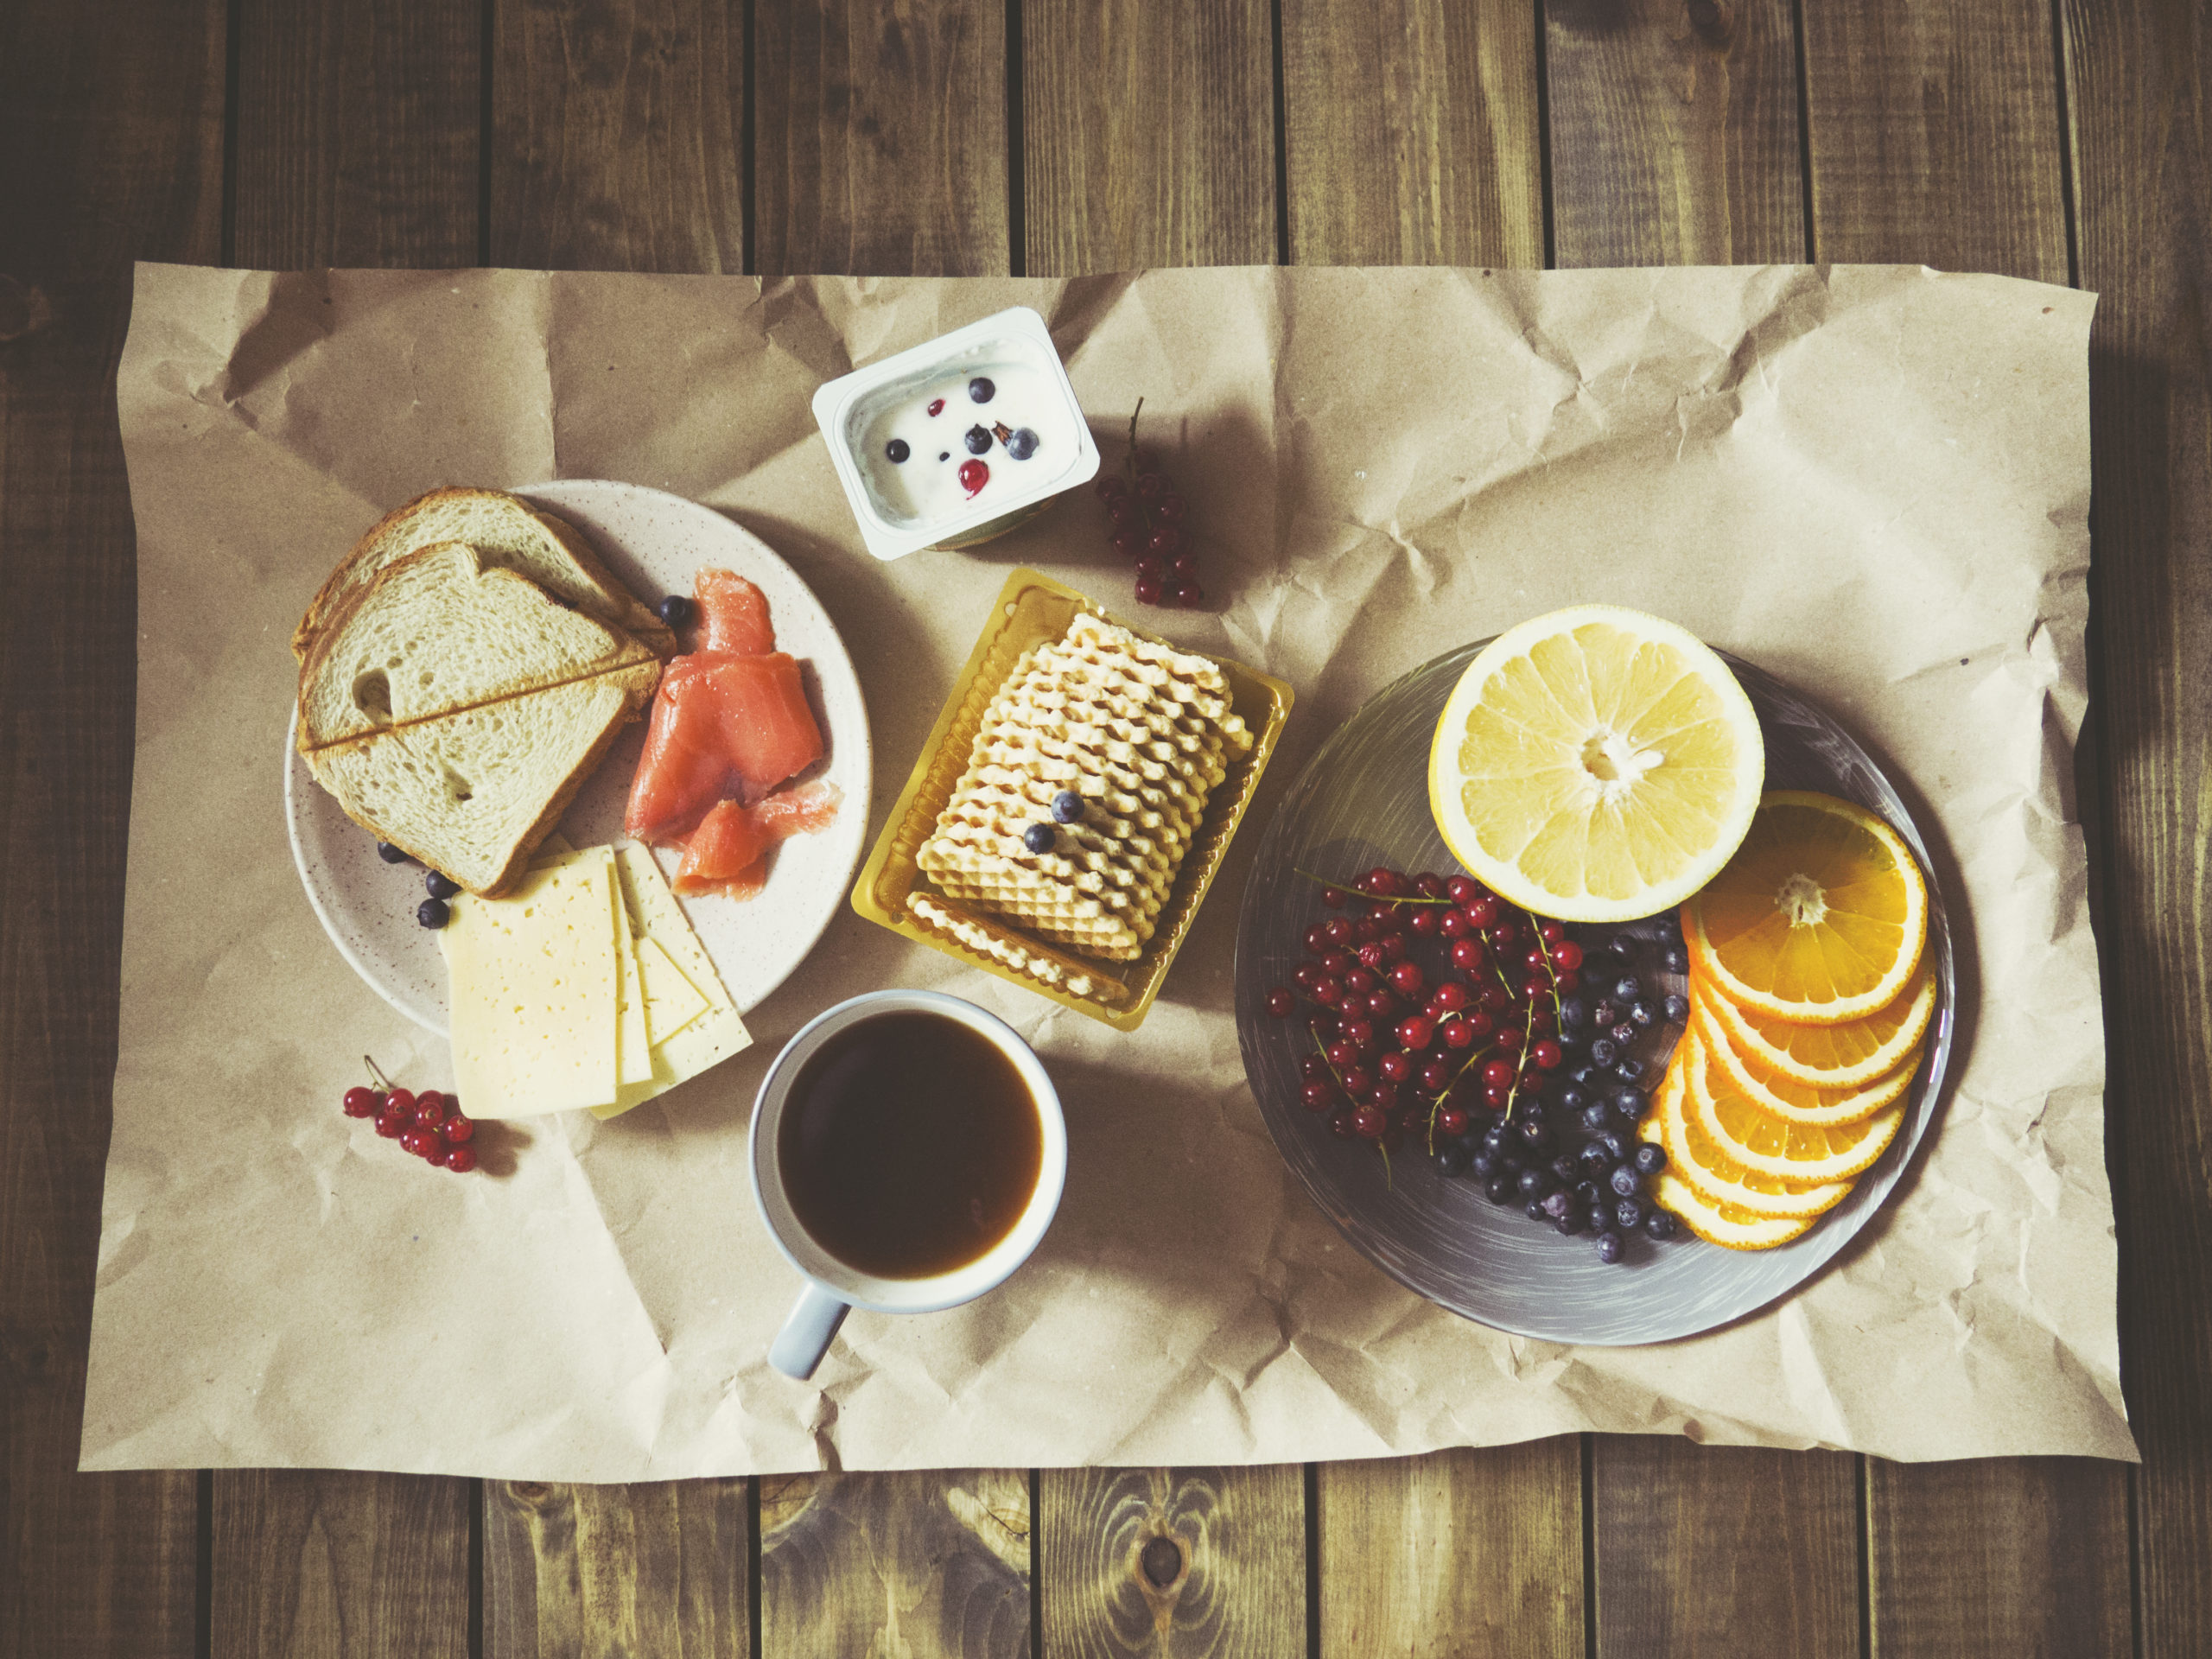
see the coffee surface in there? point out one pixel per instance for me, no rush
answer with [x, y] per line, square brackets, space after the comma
[909, 1145]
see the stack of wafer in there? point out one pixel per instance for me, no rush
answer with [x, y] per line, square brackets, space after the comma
[1142, 734]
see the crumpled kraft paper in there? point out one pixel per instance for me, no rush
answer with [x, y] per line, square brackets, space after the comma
[1873, 481]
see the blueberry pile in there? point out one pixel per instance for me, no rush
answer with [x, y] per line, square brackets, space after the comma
[1522, 1060]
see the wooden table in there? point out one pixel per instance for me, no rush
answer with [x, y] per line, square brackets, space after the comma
[2071, 142]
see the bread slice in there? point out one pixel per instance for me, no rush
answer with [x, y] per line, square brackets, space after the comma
[508, 531]
[439, 632]
[472, 793]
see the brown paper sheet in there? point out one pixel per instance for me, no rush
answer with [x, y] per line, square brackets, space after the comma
[1873, 481]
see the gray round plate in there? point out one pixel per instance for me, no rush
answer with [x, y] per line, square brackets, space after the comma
[1362, 801]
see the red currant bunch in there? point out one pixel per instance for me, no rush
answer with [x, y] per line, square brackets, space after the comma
[1150, 529]
[430, 1125]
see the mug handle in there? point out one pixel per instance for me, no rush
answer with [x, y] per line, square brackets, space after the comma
[808, 1331]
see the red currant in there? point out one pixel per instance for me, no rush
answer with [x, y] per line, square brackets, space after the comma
[1358, 1081]
[1467, 954]
[1494, 1097]
[390, 1127]
[1339, 962]
[1436, 1077]
[1340, 1125]
[1151, 569]
[1121, 510]
[1454, 924]
[1547, 1054]
[1566, 956]
[1497, 1074]
[1281, 1002]
[1338, 930]
[400, 1102]
[1371, 955]
[1429, 885]
[1186, 565]
[460, 1160]
[1360, 1034]
[937, 407]
[363, 1102]
[1450, 1120]
[1406, 979]
[1481, 910]
[1396, 1065]
[1312, 1068]
[973, 475]
[1381, 882]
[1359, 981]
[1151, 484]
[429, 1109]
[1166, 540]
[1479, 1022]
[1462, 889]
[1417, 1033]
[1451, 997]
[1342, 1054]
[1318, 1096]
[1369, 1123]
[1384, 1095]
[1551, 932]
[412, 1141]
[1147, 591]
[1169, 507]
[1457, 1033]
[1567, 982]
[1394, 947]
[1381, 1005]
[1186, 593]
[1424, 921]
[1333, 898]
[1501, 934]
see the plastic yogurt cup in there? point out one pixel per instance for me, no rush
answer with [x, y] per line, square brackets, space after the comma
[958, 439]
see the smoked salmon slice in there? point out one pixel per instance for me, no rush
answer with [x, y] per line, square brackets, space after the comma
[734, 615]
[727, 851]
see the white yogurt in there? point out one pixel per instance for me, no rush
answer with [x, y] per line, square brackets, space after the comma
[974, 436]
[947, 443]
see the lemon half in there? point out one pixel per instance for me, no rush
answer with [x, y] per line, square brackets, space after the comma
[1596, 765]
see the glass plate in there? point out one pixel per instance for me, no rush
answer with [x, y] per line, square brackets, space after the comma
[1364, 800]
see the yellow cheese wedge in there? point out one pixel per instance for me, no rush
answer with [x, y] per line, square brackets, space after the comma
[634, 1047]
[535, 987]
[671, 1000]
[716, 1032]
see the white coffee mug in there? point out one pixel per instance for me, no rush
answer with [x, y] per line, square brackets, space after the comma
[835, 1288]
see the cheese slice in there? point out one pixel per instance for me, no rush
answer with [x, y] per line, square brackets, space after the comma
[712, 1034]
[671, 1000]
[556, 848]
[634, 1047]
[535, 989]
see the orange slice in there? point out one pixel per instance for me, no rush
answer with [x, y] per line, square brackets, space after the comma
[1724, 1223]
[1718, 1178]
[1818, 918]
[1792, 1101]
[1827, 1056]
[1794, 1152]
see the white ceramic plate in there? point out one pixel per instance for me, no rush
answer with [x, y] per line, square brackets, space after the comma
[654, 542]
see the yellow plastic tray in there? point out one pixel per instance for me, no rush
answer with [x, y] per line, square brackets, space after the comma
[1031, 608]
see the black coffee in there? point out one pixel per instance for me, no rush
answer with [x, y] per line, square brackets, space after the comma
[909, 1145]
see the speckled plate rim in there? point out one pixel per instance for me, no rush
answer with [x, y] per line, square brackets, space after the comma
[851, 765]
[1811, 1253]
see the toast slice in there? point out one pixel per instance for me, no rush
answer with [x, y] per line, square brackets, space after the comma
[439, 632]
[508, 531]
[472, 793]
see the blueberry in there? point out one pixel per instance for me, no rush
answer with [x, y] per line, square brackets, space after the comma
[1630, 1213]
[1628, 1071]
[1677, 962]
[1676, 1008]
[1558, 1205]
[1510, 1163]
[1659, 1224]
[1450, 1159]
[1572, 1012]
[389, 854]
[1621, 945]
[676, 611]
[1067, 806]
[1609, 1246]
[1628, 989]
[1600, 1217]
[1597, 1116]
[1498, 1189]
[1595, 1161]
[944, 454]
[1534, 1183]
[897, 451]
[432, 912]
[1037, 837]
[1626, 1182]
[1535, 1134]
[1569, 1223]
[1616, 1149]
[1564, 1169]
[982, 390]
[1642, 1013]
[1571, 1099]
[1022, 444]
[1585, 1075]
[1587, 1193]
[1630, 1104]
[1485, 1164]
[1607, 1015]
[1535, 1210]
[1650, 1160]
[978, 439]
[440, 885]
[1604, 1051]
[1494, 1138]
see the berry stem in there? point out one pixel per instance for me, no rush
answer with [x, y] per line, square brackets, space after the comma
[382, 1081]
[1352, 891]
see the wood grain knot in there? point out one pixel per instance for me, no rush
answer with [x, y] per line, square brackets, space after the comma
[529, 1494]
[1711, 22]
[1161, 1561]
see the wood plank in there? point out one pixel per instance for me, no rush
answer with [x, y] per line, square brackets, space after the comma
[617, 135]
[919, 1564]
[1471, 1552]
[1148, 134]
[1181, 1562]
[1674, 132]
[880, 137]
[658, 1569]
[1724, 1549]
[1410, 132]
[2140, 98]
[111, 149]
[310, 1564]
[1935, 135]
[2049, 1578]
[359, 132]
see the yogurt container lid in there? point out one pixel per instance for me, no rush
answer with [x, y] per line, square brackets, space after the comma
[909, 436]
